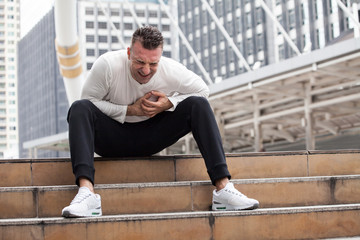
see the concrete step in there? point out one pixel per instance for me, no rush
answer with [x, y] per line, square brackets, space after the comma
[48, 172]
[315, 222]
[29, 202]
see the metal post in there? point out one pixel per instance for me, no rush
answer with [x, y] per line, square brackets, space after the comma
[310, 139]
[258, 143]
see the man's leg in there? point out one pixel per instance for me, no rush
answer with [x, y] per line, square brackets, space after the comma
[195, 114]
[113, 139]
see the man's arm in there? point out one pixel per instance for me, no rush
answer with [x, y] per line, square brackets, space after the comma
[146, 107]
[97, 86]
[188, 83]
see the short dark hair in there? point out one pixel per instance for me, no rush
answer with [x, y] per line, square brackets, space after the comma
[149, 37]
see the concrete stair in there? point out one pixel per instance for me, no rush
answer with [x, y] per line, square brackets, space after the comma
[303, 195]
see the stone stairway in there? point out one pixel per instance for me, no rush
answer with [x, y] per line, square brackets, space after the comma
[303, 195]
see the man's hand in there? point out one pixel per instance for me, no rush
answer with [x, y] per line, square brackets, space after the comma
[149, 105]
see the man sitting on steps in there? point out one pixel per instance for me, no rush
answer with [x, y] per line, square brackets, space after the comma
[136, 102]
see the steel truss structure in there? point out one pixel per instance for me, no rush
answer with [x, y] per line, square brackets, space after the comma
[302, 97]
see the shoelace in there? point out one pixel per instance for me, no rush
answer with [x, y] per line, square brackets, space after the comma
[234, 192]
[81, 196]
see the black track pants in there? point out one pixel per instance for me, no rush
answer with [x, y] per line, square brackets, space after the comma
[90, 130]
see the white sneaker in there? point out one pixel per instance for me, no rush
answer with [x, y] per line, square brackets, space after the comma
[229, 198]
[85, 204]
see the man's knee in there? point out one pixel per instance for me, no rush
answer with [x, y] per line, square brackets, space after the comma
[78, 108]
[198, 101]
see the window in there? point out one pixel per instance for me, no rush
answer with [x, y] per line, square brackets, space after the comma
[128, 26]
[89, 11]
[258, 16]
[90, 38]
[166, 27]
[248, 20]
[88, 65]
[292, 18]
[102, 51]
[140, 13]
[152, 14]
[114, 39]
[89, 25]
[90, 52]
[114, 12]
[127, 14]
[102, 25]
[103, 39]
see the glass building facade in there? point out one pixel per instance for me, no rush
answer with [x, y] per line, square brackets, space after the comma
[310, 24]
[43, 104]
[9, 35]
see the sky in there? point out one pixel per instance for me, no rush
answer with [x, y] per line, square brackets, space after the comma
[31, 11]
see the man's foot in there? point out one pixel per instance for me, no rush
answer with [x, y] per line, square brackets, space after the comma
[85, 204]
[229, 198]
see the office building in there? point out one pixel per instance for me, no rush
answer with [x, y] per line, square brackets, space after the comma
[109, 25]
[9, 35]
[310, 24]
[42, 98]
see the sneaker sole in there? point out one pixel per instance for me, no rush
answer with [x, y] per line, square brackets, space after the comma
[69, 214]
[226, 207]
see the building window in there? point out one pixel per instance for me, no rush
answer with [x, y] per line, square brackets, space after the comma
[127, 14]
[128, 26]
[248, 20]
[114, 12]
[140, 13]
[153, 14]
[102, 51]
[102, 25]
[89, 25]
[103, 39]
[166, 27]
[292, 18]
[89, 11]
[90, 38]
[114, 39]
[90, 52]
[88, 65]
[167, 54]
[258, 16]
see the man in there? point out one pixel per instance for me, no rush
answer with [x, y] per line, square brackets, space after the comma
[136, 103]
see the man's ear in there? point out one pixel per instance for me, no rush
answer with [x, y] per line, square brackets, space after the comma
[128, 52]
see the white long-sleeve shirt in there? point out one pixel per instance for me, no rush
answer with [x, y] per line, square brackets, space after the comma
[110, 86]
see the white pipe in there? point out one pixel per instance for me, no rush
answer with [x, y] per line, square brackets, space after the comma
[67, 47]
[226, 35]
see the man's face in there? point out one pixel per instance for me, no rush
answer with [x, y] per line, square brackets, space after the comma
[143, 62]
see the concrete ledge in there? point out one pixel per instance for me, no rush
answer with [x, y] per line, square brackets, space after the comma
[57, 171]
[317, 222]
[181, 215]
[47, 201]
